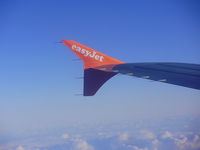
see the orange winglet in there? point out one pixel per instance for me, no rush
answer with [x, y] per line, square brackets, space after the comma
[89, 56]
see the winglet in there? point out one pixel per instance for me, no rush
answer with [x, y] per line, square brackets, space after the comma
[94, 78]
[89, 56]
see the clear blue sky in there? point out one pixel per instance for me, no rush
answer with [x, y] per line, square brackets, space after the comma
[38, 77]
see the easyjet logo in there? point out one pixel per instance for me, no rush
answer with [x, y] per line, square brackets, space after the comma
[87, 53]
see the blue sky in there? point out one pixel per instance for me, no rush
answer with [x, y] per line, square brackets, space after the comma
[38, 76]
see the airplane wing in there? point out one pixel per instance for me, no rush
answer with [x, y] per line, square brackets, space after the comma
[182, 74]
[98, 68]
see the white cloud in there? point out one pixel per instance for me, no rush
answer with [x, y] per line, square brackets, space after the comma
[65, 136]
[82, 145]
[77, 136]
[182, 142]
[123, 136]
[145, 134]
[155, 142]
[195, 142]
[20, 148]
[104, 134]
[167, 134]
[196, 138]
[137, 148]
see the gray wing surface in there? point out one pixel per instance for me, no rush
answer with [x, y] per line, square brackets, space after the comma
[182, 74]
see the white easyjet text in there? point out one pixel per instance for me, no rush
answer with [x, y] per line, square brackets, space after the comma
[87, 53]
